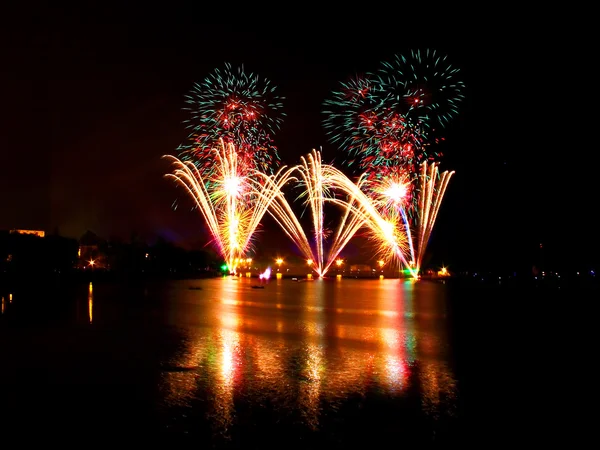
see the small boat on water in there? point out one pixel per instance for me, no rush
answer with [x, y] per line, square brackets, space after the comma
[255, 286]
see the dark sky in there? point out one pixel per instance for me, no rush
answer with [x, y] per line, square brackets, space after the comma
[90, 102]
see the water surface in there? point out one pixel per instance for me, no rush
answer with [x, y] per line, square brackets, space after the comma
[337, 362]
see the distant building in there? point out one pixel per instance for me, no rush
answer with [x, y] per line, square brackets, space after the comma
[34, 252]
[90, 254]
[358, 268]
[38, 233]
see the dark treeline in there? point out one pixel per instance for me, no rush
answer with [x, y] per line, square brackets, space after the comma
[23, 255]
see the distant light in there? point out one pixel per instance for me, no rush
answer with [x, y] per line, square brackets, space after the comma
[266, 274]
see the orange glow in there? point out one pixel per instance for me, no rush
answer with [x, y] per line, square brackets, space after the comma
[375, 345]
[90, 302]
[38, 233]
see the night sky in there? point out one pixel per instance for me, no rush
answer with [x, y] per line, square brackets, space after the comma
[90, 102]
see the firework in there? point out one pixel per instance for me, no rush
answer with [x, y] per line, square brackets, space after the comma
[385, 231]
[231, 198]
[394, 197]
[361, 118]
[424, 85]
[411, 205]
[237, 107]
[383, 216]
[385, 121]
[433, 186]
[319, 183]
[387, 118]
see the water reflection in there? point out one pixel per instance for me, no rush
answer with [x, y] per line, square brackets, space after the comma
[297, 349]
[438, 386]
[5, 301]
[91, 302]
[229, 359]
[310, 376]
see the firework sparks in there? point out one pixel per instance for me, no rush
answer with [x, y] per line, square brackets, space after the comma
[231, 199]
[390, 197]
[239, 108]
[425, 85]
[318, 182]
[385, 119]
[386, 232]
[363, 119]
[385, 122]
[432, 189]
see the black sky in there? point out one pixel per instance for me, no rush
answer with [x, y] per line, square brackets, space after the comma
[91, 100]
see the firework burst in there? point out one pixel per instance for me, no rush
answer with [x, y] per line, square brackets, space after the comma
[384, 227]
[318, 182]
[387, 118]
[238, 107]
[361, 118]
[232, 198]
[385, 122]
[424, 85]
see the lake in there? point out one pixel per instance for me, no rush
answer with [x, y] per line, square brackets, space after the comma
[216, 361]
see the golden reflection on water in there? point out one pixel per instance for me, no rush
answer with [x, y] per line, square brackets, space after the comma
[5, 303]
[90, 302]
[310, 385]
[312, 368]
[229, 362]
[306, 344]
[228, 353]
[393, 331]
